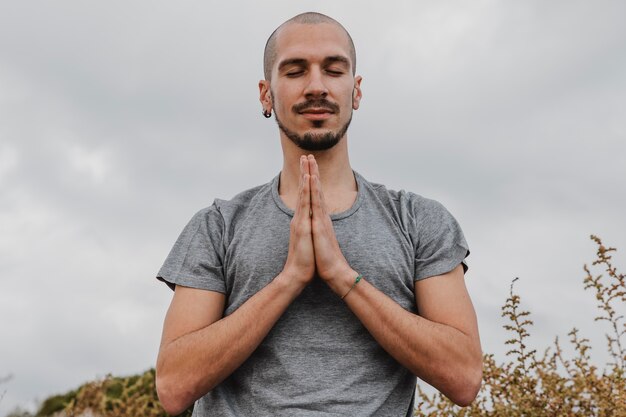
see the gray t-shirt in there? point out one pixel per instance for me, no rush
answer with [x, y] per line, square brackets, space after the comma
[318, 360]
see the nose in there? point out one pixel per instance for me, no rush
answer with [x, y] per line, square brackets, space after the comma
[315, 87]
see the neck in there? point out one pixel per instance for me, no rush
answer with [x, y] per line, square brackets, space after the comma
[336, 176]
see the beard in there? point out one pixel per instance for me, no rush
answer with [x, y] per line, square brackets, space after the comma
[311, 141]
[315, 141]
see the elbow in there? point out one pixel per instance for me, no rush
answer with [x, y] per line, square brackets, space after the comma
[468, 386]
[172, 398]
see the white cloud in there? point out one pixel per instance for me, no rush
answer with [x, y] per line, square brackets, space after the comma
[126, 316]
[92, 163]
[8, 161]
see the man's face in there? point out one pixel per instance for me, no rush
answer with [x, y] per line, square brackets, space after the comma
[313, 91]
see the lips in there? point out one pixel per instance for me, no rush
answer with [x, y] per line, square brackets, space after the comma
[317, 114]
[317, 111]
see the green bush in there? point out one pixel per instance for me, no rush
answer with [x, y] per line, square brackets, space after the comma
[111, 397]
[114, 388]
[55, 403]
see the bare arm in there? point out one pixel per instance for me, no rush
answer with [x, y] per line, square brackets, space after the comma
[440, 345]
[200, 348]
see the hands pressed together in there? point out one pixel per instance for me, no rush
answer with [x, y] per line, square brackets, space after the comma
[313, 247]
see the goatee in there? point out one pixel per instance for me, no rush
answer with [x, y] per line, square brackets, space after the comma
[315, 141]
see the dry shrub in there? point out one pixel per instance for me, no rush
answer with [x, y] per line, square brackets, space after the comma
[119, 397]
[529, 384]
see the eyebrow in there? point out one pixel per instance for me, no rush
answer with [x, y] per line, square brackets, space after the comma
[292, 61]
[337, 59]
[303, 62]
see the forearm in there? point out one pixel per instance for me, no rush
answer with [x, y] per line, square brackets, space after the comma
[439, 354]
[193, 364]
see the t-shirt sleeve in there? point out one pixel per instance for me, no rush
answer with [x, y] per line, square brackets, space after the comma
[196, 260]
[438, 240]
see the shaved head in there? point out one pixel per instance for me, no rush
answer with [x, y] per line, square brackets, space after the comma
[309, 18]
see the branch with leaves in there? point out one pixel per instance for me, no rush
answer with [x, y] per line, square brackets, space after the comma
[551, 384]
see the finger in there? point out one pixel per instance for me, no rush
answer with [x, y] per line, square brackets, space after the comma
[303, 208]
[315, 172]
[321, 195]
[314, 169]
[316, 196]
[304, 165]
[303, 171]
[307, 169]
[315, 183]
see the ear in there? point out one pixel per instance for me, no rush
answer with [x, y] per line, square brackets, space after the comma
[265, 96]
[356, 93]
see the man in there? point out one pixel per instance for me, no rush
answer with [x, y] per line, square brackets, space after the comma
[319, 293]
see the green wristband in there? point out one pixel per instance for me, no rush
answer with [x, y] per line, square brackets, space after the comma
[356, 281]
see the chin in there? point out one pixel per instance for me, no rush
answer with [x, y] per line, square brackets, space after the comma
[318, 124]
[315, 139]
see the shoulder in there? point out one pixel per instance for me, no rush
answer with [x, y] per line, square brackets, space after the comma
[225, 216]
[242, 200]
[423, 219]
[406, 204]
[227, 209]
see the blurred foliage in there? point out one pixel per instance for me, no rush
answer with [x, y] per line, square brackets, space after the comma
[110, 397]
[18, 412]
[56, 403]
[549, 384]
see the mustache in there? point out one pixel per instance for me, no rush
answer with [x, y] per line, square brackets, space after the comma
[319, 103]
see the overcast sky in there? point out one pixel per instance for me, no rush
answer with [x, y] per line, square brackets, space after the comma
[120, 119]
